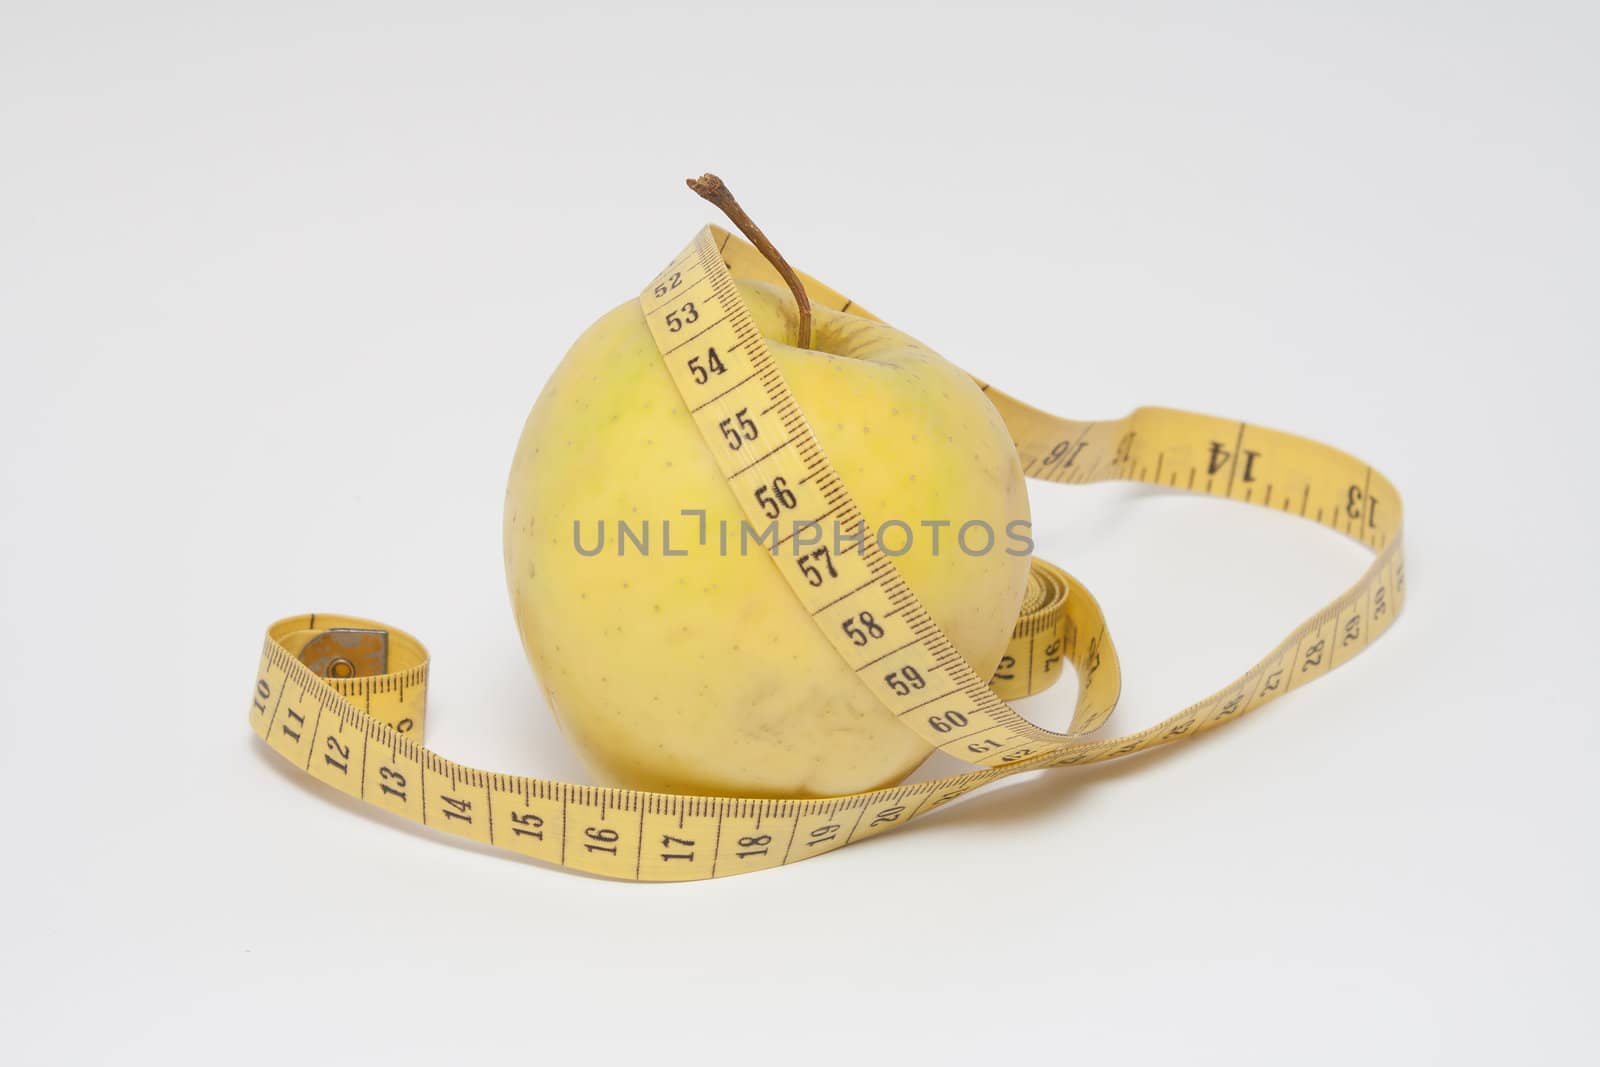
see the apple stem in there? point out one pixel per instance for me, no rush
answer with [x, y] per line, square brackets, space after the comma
[712, 188]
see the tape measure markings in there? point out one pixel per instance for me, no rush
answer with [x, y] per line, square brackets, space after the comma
[656, 837]
[1001, 735]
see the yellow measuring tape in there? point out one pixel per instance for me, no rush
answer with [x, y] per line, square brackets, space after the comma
[343, 698]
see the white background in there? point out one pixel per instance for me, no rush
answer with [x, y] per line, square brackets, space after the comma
[277, 288]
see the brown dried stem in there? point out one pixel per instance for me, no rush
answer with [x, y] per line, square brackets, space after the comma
[712, 188]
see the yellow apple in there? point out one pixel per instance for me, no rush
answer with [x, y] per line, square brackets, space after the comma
[701, 672]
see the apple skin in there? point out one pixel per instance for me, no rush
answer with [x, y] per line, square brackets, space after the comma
[703, 673]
